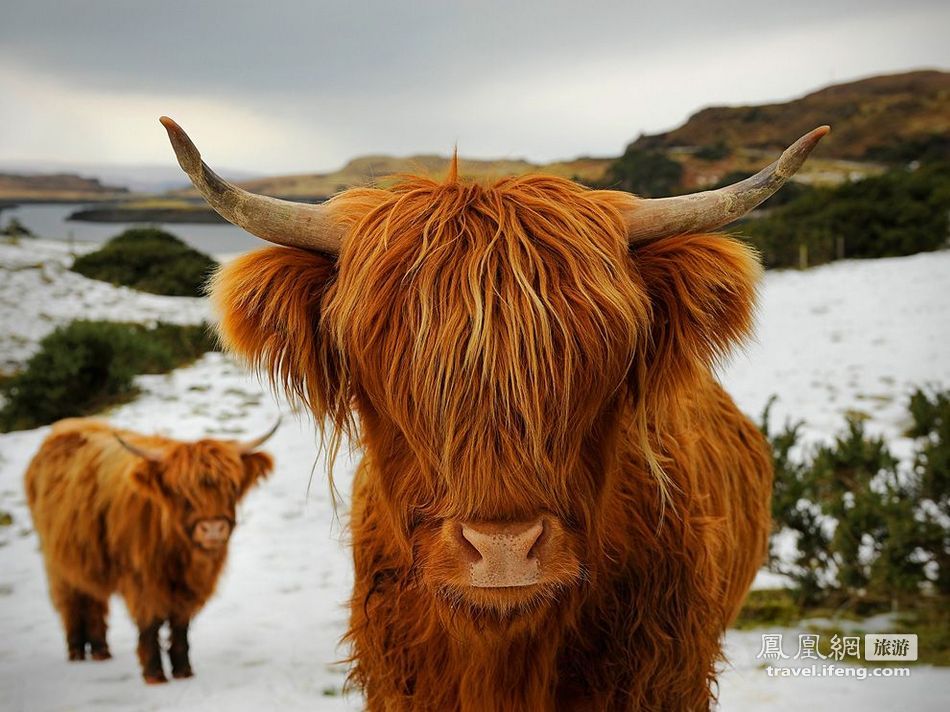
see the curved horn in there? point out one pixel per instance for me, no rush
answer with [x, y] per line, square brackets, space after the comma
[283, 222]
[252, 445]
[659, 217]
[145, 453]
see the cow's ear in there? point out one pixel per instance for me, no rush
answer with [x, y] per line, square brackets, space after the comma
[702, 291]
[256, 466]
[268, 304]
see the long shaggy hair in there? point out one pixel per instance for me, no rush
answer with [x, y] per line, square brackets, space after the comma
[507, 353]
[110, 521]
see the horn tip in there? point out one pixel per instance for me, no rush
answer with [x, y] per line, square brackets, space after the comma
[795, 155]
[186, 151]
[811, 139]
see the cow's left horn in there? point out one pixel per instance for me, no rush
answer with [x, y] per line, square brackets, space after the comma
[650, 219]
[252, 445]
[280, 221]
[145, 453]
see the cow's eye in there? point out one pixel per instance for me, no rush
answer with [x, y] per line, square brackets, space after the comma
[207, 481]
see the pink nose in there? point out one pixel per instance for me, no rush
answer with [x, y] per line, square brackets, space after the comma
[503, 553]
[213, 531]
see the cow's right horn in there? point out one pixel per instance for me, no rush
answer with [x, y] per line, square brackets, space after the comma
[283, 222]
[655, 218]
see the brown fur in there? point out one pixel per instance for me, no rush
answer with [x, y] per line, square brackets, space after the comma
[110, 521]
[508, 355]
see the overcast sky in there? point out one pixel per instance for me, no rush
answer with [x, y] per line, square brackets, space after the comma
[285, 85]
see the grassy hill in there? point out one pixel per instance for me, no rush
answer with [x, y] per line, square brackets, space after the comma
[379, 170]
[873, 119]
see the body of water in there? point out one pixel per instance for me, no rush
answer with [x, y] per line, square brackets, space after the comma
[49, 222]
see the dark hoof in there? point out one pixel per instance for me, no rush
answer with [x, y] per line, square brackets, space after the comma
[77, 654]
[101, 654]
[182, 674]
[155, 678]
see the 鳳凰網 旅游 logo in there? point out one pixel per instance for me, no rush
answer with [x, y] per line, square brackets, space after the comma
[815, 655]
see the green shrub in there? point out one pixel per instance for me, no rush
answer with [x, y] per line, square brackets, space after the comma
[647, 173]
[931, 414]
[899, 213]
[868, 531]
[88, 365]
[149, 260]
[926, 148]
[768, 607]
[183, 343]
[713, 152]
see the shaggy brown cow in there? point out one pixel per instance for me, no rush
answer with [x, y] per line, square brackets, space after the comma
[144, 516]
[558, 507]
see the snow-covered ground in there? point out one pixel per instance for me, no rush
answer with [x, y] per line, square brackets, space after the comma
[39, 293]
[850, 336]
[855, 335]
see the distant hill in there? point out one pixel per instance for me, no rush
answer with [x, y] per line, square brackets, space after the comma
[55, 187]
[137, 177]
[376, 169]
[879, 119]
[872, 119]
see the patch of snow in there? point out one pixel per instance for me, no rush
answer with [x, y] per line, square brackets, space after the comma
[269, 637]
[856, 335]
[38, 292]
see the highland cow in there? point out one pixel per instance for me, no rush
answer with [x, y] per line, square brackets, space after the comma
[558, 506]
[145, 516]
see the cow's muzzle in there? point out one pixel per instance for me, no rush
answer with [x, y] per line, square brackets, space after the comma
[212, 534]
[501, 554]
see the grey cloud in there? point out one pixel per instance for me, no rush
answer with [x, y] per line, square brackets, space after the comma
[351, 48]
[540, 79]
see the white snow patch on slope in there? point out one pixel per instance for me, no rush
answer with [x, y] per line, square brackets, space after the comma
[38, 292]
[849, 336]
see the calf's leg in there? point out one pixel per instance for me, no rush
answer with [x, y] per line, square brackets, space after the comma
[150, 652]
[95, 613]
[75, 632]
[70, 604]
[178, 652]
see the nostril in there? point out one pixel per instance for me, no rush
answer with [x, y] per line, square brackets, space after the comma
[468, 547]
[538, 542]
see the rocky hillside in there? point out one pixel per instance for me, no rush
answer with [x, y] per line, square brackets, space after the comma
[879, 118]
